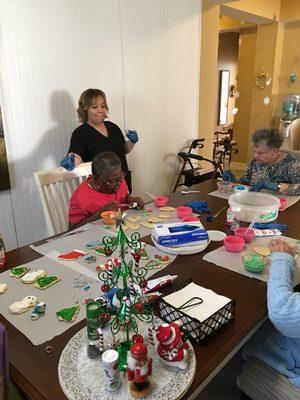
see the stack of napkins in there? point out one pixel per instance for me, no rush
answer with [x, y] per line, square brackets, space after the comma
[212, 302]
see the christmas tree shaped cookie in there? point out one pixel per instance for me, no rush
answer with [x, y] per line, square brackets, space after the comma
[152, 264]
[17, 272]
[68, 314]
[102, 251]
[46, 281]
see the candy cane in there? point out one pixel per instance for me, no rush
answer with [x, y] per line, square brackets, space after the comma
[101, 339]
[150, 333]
[127, 309]
[131, 288]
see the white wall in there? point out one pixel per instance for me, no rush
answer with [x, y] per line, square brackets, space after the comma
[144, 55]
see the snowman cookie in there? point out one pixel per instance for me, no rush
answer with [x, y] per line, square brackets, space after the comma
[31, 277]
[3, 287]
[19, 307]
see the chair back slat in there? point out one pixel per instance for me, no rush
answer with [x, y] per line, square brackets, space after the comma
[55, 188]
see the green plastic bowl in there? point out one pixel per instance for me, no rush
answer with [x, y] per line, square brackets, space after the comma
[254, 263]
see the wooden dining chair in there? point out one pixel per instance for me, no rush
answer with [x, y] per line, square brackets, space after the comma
[224, 147]
[55, 188]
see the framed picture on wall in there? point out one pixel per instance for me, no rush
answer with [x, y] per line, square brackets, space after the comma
[223, 96]
[4, 175]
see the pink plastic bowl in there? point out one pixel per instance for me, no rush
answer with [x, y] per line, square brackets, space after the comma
[190, 219]
[244, 232]
[183, 211]
[283, 203]
[234, 244]
[161, 201]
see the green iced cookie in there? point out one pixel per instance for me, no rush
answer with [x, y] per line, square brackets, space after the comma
[46, 281]
[68, 314]
[17, 272]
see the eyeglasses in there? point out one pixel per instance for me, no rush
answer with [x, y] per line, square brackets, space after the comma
[116, 182]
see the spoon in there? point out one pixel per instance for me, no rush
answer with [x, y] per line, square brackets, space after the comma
[151, 195]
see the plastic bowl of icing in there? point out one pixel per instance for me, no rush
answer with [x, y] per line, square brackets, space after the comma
[240, 188]
[161, 201]
[234, 244]
[224, 186]
[183, 211]
[246, 233]
[254, 263]
[108, 217]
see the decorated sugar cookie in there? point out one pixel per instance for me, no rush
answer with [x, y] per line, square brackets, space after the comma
[145, 212]
[72, 255]
[17, 272]
[167, 208]
[143, 254]
[153, 264]
[102, 251]
[147, 224]
[3, 287]
[154, 220]
[93, 244]
[165, 215]
[89, 259]
[19, 307]
[32, 276]
[38, 311]
[132, 225]
[262, 251]
[133, 218]
[162, 259]
[68, 314]
[46, 281]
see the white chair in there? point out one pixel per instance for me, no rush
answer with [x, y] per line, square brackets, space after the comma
[56, 187]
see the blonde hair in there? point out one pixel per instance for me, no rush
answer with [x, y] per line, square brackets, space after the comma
[85, 101]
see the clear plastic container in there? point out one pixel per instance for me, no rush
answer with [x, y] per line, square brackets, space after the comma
[249, 205]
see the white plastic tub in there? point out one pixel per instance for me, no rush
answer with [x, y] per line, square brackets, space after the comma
[247, 205]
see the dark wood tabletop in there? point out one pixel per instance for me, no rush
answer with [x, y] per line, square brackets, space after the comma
[35, 371]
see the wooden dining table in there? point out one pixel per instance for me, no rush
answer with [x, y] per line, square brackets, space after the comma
[35, 371]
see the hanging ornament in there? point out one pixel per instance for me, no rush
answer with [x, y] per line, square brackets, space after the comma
[263, 80]
[267, 100]
[235, 110]
[293, 77]
[236, 94]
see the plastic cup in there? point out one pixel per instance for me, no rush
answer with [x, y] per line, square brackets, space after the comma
[161, 201]
[244, 232]
[283, 203]
[183, 211]
[234, 244]
[108, 217]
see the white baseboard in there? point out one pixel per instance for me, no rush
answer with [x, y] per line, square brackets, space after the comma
[237, 165]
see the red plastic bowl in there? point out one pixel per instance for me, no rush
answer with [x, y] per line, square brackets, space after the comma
[234, 244]
[183, 211]
[161, 201]
[244, 232]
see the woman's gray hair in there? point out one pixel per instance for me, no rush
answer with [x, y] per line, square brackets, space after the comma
[104, 163]
[270, 136]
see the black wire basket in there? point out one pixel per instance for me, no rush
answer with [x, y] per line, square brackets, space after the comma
[193, 328]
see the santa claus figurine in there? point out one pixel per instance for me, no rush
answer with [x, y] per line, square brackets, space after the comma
[172, 349]
[139, 368]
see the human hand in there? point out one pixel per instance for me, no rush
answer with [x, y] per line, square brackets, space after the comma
[264, 185]
[140, 202]
[282, 246]
[132, 136]
[229, 176]
[68, 162]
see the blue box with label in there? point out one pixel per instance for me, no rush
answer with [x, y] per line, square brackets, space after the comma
[180, 234]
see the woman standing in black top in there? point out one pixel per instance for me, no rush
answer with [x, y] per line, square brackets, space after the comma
[96, 135]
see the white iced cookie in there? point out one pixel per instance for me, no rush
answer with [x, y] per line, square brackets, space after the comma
[3, 287]
[32, 276]
[22, 306]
